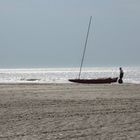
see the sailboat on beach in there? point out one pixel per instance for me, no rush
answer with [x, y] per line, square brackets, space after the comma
[107, 80]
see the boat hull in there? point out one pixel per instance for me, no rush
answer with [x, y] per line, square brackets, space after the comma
[95, 81]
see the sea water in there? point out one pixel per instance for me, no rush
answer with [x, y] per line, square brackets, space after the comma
[61, 75]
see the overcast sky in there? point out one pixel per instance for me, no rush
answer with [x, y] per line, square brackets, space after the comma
[51, 33]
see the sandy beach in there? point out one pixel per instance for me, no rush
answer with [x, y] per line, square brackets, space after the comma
[69, 112]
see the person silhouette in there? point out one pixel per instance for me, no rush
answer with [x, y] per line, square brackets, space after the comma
[120, 81]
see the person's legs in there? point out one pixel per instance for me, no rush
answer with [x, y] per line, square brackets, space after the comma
[120, 81]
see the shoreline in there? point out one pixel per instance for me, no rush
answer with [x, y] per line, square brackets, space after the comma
[59, 83]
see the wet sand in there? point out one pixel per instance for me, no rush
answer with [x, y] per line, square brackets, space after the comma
[69, 112]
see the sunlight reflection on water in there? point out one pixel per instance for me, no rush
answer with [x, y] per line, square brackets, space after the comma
[61, 75]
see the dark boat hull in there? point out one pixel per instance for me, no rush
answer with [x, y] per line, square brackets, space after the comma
[95, 81]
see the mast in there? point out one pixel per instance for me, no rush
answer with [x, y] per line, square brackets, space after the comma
[85, 47]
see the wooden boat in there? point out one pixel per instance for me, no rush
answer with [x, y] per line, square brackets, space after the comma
[92, 81]
[95, 81]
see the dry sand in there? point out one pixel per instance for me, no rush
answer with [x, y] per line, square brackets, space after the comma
[69, 112]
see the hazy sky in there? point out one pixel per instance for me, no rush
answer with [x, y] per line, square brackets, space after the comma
[51, 33]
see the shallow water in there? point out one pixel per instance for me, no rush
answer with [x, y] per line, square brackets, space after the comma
[61, 75]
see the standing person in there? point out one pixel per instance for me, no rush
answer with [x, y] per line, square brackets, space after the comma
[121, 76]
